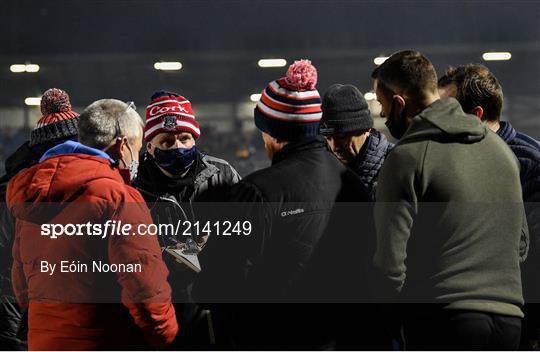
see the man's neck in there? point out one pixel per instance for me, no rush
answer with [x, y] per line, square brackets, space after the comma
[423, 105]
[430, 100]
[493, 125]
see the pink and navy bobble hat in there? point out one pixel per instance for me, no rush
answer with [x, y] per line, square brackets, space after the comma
[290, 107]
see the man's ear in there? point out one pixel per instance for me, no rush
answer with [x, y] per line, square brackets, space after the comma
[149, 148]
[278, 141]
[118, 148]
[479, 112]
[400, 103]
[330, 142]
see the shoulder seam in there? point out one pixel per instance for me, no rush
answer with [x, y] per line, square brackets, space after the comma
[423, 162]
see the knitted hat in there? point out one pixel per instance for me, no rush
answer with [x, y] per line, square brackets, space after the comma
[58, 120]
[344, 110]
[290, 107]
[169, 112]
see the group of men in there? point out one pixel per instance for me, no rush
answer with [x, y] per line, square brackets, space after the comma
[342, 215]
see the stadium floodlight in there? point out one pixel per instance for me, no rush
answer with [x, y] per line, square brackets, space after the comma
[379, 60]
[32, 68]
[272, 62]
[32, 101]
[168, 65]
[17, 68]
[370, 96]
[497, 56]
[255, 97]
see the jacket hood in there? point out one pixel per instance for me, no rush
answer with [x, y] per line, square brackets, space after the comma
[22, 158]
[60, 177]
[72, 147]
[25, 157]
[444, 120]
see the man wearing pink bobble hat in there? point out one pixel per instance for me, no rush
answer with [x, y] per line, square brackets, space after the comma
[292, 254]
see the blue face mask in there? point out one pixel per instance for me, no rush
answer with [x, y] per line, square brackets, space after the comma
[176, 161]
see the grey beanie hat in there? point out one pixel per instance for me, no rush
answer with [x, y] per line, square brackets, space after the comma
[344, 110]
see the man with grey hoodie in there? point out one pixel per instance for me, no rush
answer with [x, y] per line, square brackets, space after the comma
[444, 236]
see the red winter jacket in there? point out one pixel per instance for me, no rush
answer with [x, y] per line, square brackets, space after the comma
[82, 310]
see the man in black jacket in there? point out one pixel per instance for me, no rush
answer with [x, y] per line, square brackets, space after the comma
[299, 247]
[347, 125]
[57, 124]
[173, 177]
[172, 165]
[480, 94]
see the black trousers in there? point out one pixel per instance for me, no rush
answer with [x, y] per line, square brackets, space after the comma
[461, 330]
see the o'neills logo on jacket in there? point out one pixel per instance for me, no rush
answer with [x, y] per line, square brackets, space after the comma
[291, 212]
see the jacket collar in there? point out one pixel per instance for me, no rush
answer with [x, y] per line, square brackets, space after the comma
[506, 131]
[375, 142]
[208, 171]
[72, 147]
[300, 145]
[154, 183]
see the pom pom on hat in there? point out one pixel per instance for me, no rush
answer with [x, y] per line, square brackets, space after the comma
[290, 107]
[163, 93]
[58, 122]
[54, 100]
[302, 75]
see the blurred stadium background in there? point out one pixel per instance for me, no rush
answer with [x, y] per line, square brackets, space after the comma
[109, 49]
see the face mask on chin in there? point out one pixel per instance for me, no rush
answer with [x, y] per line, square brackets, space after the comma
[175, 161]
[397, 127]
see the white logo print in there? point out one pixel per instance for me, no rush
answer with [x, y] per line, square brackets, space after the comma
[292, 212]
[155, 110]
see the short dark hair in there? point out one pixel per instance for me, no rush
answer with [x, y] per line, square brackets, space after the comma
[407, 72]
[476, 86]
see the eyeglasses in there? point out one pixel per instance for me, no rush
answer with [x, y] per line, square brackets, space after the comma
[130, 105]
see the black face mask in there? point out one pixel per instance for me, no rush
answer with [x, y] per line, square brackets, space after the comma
[176, 161]
[397, 127]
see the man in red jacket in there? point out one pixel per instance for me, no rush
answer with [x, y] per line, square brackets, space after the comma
[73, 283]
